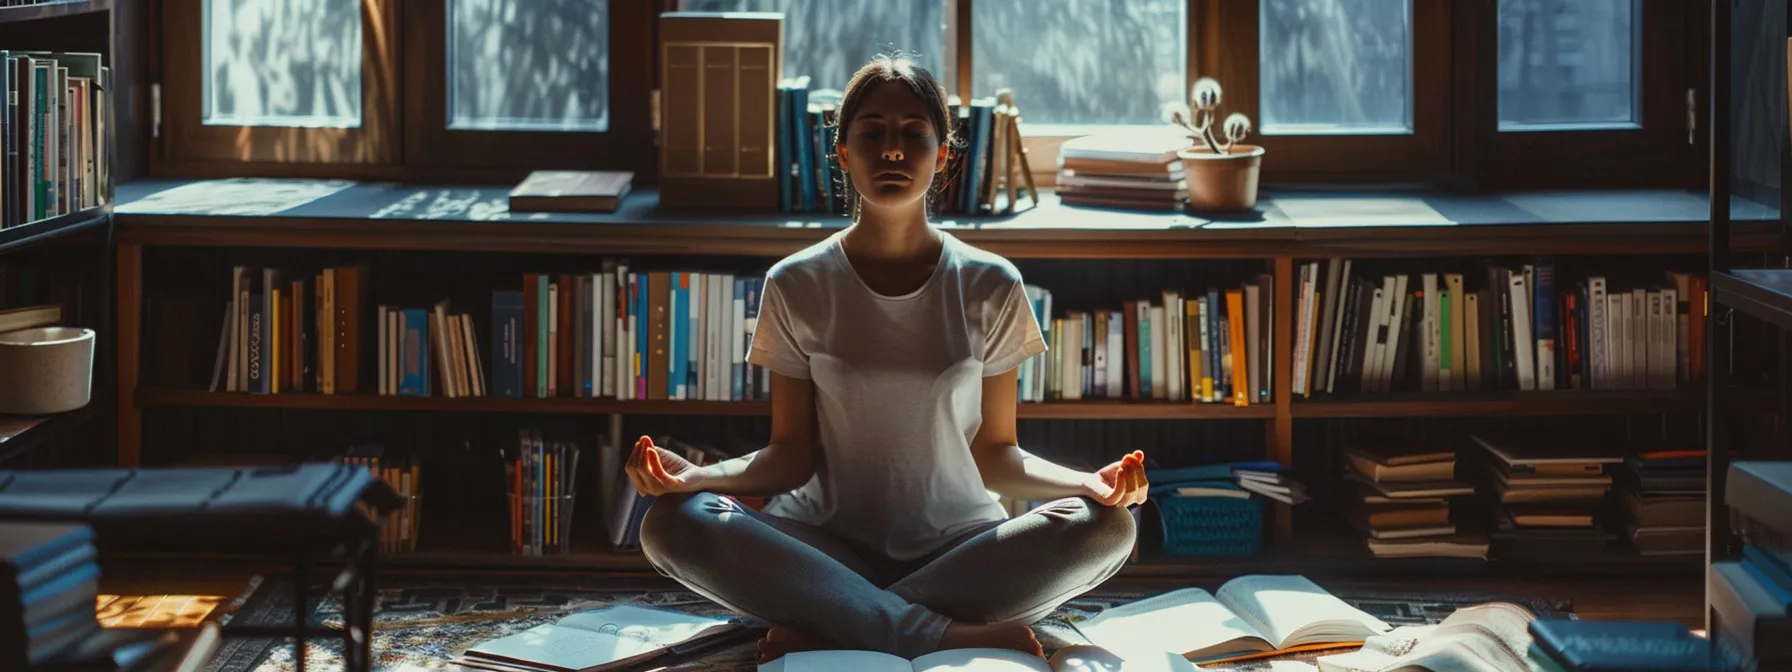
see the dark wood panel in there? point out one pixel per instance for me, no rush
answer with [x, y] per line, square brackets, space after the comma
[1448, 404]
[53, 9]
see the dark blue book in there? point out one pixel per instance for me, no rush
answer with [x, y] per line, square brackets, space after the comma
[1628, 646]
[507, 344]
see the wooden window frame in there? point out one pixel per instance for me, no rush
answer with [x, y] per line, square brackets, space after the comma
[1656, 154]
[190, 146]
[626, 144]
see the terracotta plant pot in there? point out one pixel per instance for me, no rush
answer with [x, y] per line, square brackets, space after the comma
[1222, 182]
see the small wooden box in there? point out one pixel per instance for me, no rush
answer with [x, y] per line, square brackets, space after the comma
[718, 105]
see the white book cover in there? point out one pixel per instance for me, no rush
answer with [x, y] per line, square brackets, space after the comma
[1682, 286]
[1301, 343]
[1521, 332]
[1638, 312]
[1160, 384]
[1673, 332]
[1329, 307]
[1174, 348]
[1310, 331]
[738, 343]
[1397, 307]
[1073, 357]
[1370, 372]
[631, 365]
[1598, 334]
[1430, 332]
[1461, 311]
[1337, 329]
[1116, 371]
[1618, 338]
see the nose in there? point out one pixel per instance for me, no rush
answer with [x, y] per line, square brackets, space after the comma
[892, 155]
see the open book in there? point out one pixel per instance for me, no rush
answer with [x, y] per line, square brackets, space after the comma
[1068, 659]
[1249, 617]
[610, 638]
[1491, 637]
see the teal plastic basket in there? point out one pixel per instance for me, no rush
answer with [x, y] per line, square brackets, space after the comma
[1211, 526]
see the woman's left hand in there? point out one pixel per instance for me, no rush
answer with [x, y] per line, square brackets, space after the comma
[1119, 484]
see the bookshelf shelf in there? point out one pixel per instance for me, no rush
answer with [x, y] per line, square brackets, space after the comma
[47, 10]
[1079, 410]
[1764, 293]
[1468, 404]
[44, 230]
[20, 435]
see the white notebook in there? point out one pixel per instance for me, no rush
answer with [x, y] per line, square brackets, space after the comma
[1068, 659]
[1249, 616]
[604, 639]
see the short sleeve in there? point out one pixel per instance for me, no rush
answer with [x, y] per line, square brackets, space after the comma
[1013, 335]
[774, 341]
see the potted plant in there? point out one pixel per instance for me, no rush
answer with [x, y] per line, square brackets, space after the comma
[1222, 176]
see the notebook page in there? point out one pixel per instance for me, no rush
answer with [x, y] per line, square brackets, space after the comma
[979, 660]
[1290, 610]
[831, 661]
[1490, 637]
[1183, 621]
[658, 627]
[555, 647]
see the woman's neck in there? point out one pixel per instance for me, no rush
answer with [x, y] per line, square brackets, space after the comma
[892, 235]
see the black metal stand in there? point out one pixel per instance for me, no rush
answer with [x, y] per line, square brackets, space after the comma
[359, 601]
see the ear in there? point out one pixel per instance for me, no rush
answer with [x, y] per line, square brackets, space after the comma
[840, 153]
[939, 160]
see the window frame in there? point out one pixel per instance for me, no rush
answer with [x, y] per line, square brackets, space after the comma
[190, 146]
[430, 144]
[1657, 153]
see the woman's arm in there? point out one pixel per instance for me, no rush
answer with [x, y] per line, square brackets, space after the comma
[787, 462]
[1008, 470]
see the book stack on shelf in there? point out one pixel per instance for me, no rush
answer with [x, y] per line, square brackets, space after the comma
[541, 485]
[1549, 493]
[1125, 169]
[54, 130]
[1752, 595]
[398, 532]
[1399, 498]
[581, 335]
[1663, 491]
[1211, 347]
[49, 584]
[1519, 328]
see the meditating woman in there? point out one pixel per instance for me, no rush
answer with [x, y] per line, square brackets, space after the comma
[893, 349]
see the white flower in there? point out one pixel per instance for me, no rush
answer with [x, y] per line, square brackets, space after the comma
[1175, 112]
[1206, 94]
[1237, 126]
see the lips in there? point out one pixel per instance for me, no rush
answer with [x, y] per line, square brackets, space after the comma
[890, 177]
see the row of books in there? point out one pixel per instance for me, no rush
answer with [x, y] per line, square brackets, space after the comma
[53, 132]
[49, 584]
[1521, 329]
[1134, 169]
[1211, 346]
[810, 179]
[398, 531]
[1752, 594]
[541, 486]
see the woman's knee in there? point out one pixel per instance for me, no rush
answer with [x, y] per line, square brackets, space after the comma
[1096, 528]
[678, 524]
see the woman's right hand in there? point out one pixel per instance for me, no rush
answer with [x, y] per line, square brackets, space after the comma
[656, 471]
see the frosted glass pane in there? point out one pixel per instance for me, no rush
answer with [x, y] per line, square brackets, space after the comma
[829, 39]
[282, 63]
[1335, 66]
[529, 65]
[1569, 64]
[1081, 61]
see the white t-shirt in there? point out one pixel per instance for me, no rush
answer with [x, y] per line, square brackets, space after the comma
[898, 389]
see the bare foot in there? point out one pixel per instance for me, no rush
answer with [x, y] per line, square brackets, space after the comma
[781, 640]
[1016, 636]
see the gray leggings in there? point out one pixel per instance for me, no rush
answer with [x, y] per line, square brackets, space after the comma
[787, 573]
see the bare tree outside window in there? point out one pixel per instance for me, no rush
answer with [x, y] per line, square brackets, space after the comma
[537, 65]
[1336, 66]
[1569, 64]
[293, 63]
[1076, 62]
[829, 39]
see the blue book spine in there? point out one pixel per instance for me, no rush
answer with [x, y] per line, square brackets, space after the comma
[1775, 577]
[258, 352]
[415, 352]
[642, 326]
[738, 370]
[507, 344]
[804, 139]
[1216, 336]
[783, 159]
[1543, 316]
[824, 160]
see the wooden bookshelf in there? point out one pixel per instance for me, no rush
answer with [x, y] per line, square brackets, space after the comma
[1465, 404]
[42, 231]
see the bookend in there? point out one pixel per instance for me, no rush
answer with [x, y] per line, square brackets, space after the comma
[1007, 116]
[316, 514]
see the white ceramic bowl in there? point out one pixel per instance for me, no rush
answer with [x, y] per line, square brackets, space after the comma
[45, 370]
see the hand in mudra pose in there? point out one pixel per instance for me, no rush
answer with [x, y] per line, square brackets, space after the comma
[657, 471]
[1121, 484]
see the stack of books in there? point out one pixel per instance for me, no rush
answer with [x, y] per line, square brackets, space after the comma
[398, 532]
[1663, 492]
[1549, 494]
[49, 584]
[1752, 596]
[1126, 169]
[1399, 499]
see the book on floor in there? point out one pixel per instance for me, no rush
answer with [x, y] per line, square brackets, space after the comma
[1068, 659]
[1248, 617]
[611, 638]
[1491, 637]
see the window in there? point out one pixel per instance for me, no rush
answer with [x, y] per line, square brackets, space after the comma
[274, 63]
[1080, 63]
[534, 65]
[827, 40]
[1569, 64]
[1335, 66]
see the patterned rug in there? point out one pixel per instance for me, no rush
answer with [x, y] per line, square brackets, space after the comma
[421, 623]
